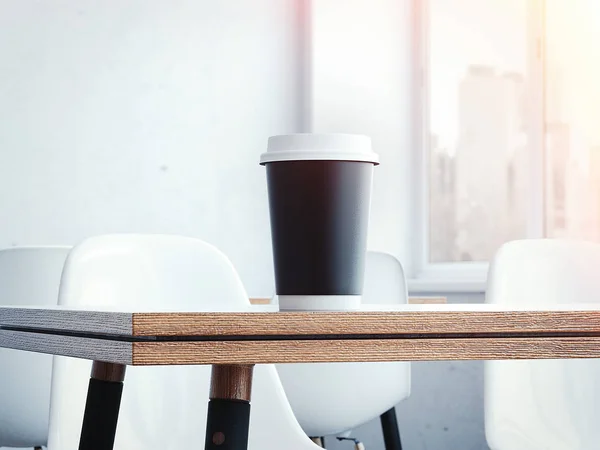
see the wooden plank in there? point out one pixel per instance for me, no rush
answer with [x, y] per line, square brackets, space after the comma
[454, 332]
[399, 323]
[411, 300]
[57, 318]
[260, 301]
[423, 320]
[79, 347]
[267, 352]
[427, 300]
[294, 351]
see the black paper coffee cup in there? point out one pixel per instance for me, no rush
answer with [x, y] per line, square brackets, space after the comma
[319, 201]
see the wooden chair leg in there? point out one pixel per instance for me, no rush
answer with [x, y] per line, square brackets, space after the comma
[320, 441]
[229, 407]
[391, 434]
[102, 407]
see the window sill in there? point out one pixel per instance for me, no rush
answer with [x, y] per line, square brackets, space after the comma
[446, 285]
[449, 278]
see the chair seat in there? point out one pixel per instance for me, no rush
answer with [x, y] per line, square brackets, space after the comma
[552, 404]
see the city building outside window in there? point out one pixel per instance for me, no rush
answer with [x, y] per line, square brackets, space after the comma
[510, 125]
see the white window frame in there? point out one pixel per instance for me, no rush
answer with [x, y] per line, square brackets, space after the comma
[469, 276]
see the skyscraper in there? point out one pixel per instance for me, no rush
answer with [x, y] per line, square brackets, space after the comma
[442, 222]
[489, 159]
[558, 135]
[594, 177]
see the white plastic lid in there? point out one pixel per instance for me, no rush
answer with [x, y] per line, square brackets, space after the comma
[312, 147]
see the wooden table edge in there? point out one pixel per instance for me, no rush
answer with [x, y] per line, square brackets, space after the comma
[302, 351]
[364, 323]
[386, 350]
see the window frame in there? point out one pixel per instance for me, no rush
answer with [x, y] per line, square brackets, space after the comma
[470, 276]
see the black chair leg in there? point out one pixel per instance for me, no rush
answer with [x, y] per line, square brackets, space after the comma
[102, 407]
[391, 434]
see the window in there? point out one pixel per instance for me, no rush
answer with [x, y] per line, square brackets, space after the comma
[572, 117]
[477, 130]
[510, 125]
[506, 145]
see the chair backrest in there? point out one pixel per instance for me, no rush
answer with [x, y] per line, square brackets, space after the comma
[543, 404]
[334, 398]
[385, 283]
[28, 276]
[162, 407]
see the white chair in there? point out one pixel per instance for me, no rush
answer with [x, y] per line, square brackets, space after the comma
[543, 404]
[28, 276]
[162, 408]
[331, 399]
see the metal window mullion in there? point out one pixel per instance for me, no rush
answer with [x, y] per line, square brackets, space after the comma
[536, 220]
[421, 135]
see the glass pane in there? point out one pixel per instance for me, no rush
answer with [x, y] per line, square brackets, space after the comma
[477, 129]
[573, 119]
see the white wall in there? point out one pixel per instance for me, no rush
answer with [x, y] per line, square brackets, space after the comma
[150, 116]
[145, 116]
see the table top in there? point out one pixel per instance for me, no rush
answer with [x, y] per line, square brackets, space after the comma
[262, 335]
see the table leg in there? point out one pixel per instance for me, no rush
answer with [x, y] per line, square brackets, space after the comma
[391, 434]
[229, 407]
[102, 406]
